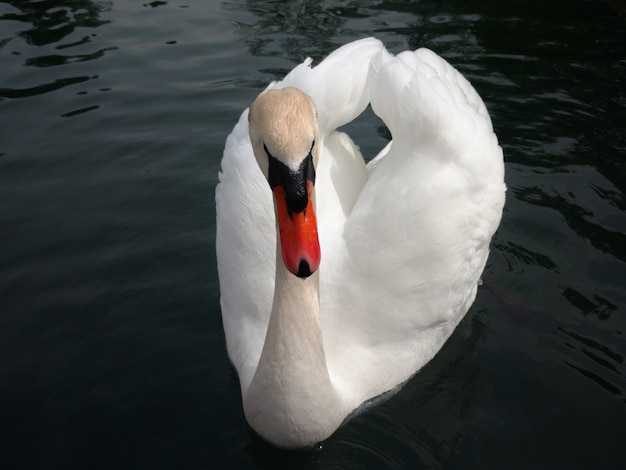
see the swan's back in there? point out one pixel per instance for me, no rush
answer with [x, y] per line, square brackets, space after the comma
[403, 246]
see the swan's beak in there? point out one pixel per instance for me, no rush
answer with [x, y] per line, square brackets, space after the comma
[298, 234]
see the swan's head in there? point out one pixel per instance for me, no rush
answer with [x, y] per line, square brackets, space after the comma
[285, 137]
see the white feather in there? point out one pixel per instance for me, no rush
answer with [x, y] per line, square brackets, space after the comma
[403, 241]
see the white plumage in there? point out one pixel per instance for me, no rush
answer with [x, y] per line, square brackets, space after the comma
[403, 240]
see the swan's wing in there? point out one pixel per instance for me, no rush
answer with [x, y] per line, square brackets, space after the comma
[246, 251]
[417, 239]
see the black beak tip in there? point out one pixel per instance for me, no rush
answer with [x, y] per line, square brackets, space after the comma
[304, 270]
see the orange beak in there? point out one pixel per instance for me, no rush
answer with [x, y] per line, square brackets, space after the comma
[298, 234]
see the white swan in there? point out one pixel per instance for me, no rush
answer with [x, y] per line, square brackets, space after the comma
[403, 240]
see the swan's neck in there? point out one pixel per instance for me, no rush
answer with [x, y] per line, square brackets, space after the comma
[291, 399]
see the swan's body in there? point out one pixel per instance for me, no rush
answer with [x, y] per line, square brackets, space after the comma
[403, 240]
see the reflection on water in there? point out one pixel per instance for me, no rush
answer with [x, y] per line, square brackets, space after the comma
[52, 21]
[111, 346]
[290, 30]
[41, 24]
[610, 375]
[54, 60]
[524, 256]
[40, 89]
[578, 218]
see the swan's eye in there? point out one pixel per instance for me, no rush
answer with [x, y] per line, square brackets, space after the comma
[277, 171]
[307, 168]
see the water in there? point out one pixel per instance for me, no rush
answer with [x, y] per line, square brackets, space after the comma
[113, 117]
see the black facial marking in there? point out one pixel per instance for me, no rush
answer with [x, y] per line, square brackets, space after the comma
[294, 182]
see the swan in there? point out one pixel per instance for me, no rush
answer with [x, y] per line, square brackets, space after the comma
[339, 279]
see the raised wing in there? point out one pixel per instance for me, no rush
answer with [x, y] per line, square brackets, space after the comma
[416, 242]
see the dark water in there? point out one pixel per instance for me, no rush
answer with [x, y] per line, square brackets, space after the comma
[113, 117]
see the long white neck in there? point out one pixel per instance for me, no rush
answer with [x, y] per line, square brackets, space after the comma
[291, 400]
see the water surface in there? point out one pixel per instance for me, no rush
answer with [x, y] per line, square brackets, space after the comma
[113, 117]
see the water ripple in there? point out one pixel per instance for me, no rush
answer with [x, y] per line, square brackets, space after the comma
[52, 21]
[110, 327]
[41, 89]
[56, 60]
